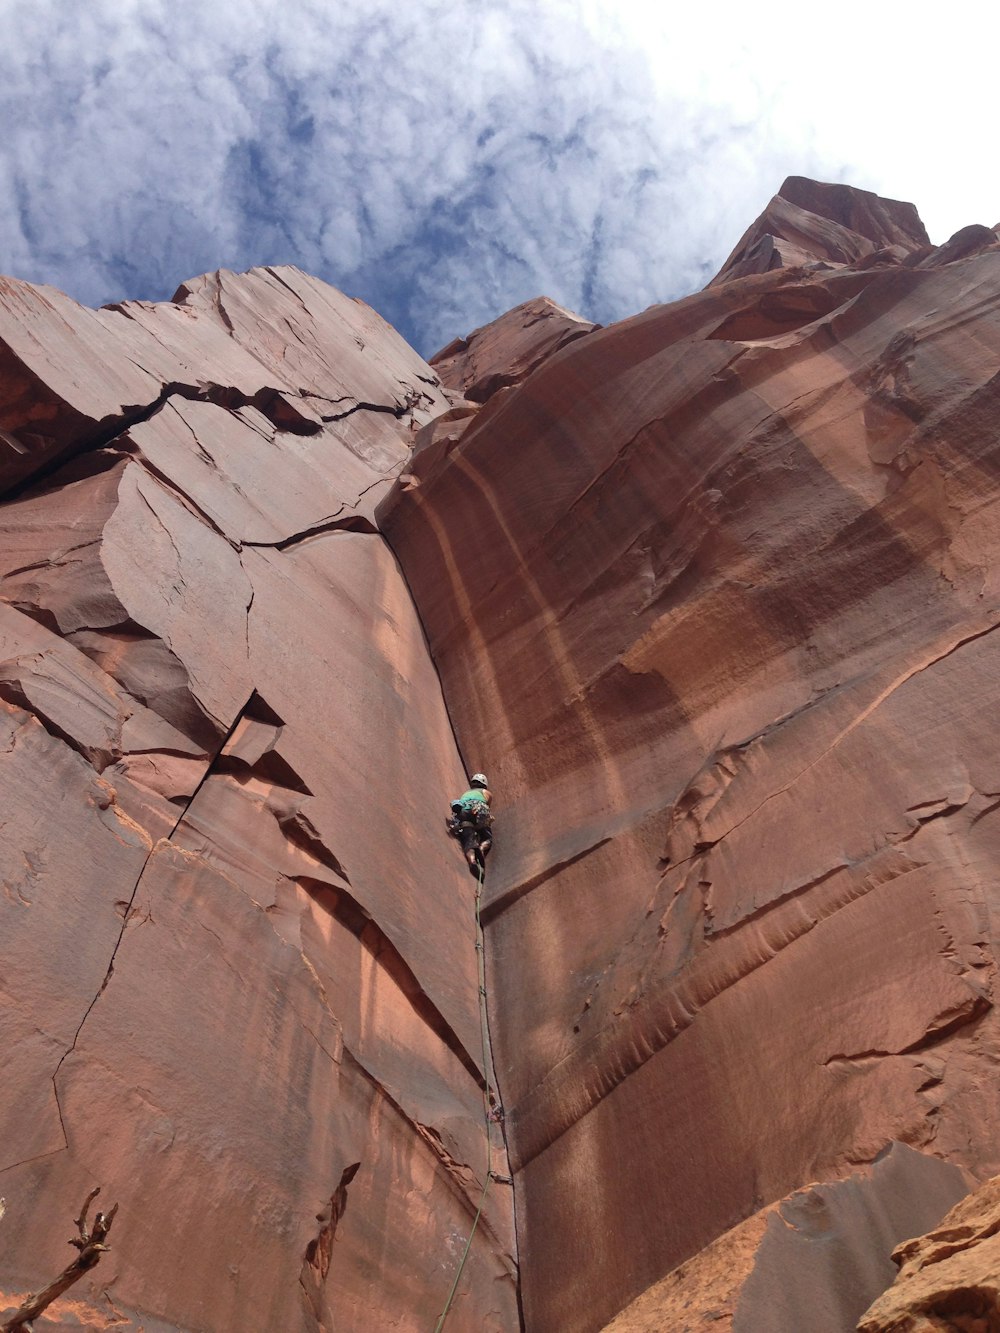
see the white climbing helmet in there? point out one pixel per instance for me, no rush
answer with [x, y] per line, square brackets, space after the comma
[478, 780]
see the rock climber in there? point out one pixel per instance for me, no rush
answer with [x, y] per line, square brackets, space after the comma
[471, 822]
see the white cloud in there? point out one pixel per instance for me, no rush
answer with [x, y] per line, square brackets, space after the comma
[450, 158]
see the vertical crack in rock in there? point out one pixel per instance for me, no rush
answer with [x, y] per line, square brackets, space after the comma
[490, 1073]
[213, 481]
[127, 912]
[319, 1252]
[426, 645]
[249, 608]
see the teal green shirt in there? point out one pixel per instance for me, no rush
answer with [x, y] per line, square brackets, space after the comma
[473, 794]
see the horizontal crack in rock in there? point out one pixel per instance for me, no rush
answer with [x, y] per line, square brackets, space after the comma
[349, 523]
[582, 1079]
[98, 757]
[271, 402]
[939, 1030]
[346, 909]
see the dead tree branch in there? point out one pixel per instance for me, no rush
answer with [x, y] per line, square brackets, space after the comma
[91, 1246]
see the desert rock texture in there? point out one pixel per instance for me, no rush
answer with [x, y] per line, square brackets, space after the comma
[712, 597]
[949, 1279]
[239, 983]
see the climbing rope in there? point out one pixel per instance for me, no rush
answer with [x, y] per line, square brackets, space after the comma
[487, 1099]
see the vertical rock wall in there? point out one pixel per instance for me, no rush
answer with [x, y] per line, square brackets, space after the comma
[714, 591]
[712, 595]
[239, 987]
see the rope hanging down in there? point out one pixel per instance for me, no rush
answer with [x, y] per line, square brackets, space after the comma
[487, 1101]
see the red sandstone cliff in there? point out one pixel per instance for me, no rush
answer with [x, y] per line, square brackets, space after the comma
[710, 594]
[714, 589]
[235, 992]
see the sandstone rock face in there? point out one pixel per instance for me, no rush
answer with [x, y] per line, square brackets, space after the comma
[808, 1262]
[506, 352]
[713, 594]
[240, 986]
[949, 1279]
[826, 226]
[713, 598]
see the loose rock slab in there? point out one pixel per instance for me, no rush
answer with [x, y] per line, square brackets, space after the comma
[949, 1279]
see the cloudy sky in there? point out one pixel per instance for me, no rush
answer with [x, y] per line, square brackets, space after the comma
[446, 159]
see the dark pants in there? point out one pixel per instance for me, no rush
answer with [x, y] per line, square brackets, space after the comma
[475, 840]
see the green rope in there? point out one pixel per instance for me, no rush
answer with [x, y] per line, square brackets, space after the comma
[484, 1029]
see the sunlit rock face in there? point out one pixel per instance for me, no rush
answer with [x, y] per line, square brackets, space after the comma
[827, 226]
[239, 987]
[948, 1279]
[812, 1260]
[712, 597]
[715, 592]
[506, 352]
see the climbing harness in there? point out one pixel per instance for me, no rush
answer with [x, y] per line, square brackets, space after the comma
[470, 826]
[469, 814]
[490, 1104]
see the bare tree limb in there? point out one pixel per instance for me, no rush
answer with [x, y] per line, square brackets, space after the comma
[91, 1246]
